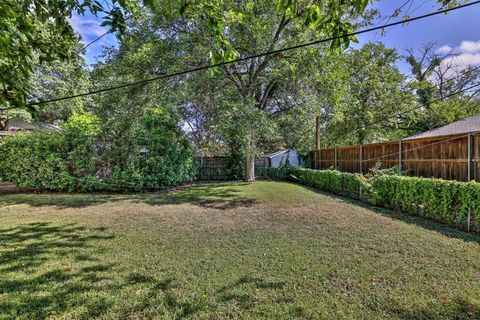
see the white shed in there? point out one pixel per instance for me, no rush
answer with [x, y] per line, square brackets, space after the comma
[284, 156]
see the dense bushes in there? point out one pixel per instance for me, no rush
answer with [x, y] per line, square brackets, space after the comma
[280, 173]
[442, 200]
[80, 159]
[43, 160]
[343, 183]
[158, 155]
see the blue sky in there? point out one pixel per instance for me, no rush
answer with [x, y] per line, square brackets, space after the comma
[458, 30]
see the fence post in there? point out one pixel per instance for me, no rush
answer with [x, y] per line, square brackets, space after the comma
[469, 158]
[320, 159]
[336, 159]
[399, 155]
[469, 174]
[361, 159]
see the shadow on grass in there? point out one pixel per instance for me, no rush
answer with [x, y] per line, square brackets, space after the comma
[236, 293]
[61, 270]
[38, 272]
[49, 270]
[422, 222]
[217, 196]
[59, 200]
[213, 195]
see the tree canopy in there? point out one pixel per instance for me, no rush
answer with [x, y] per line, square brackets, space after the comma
[240, 110]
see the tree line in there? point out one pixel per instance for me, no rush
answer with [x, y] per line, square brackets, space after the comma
[248, 108]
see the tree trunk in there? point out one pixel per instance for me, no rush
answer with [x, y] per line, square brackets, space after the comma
[250, 168]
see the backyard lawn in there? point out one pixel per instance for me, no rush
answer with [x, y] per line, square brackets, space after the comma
[262, 250]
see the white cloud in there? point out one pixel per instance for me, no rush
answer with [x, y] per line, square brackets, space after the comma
[466, 54]
[445, 49]
[470, 46]
[88, 28]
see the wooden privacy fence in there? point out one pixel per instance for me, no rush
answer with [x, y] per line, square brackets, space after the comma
[219, 168]
[213, 168]
[455, 157]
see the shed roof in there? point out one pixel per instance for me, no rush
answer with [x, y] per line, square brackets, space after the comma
[277, 153]
[467, 125]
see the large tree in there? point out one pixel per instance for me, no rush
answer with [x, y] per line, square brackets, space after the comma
[196, 33]
[172, 36]
[373, 95]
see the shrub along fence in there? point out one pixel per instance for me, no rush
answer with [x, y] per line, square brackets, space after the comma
[455, 157]
[452, 202]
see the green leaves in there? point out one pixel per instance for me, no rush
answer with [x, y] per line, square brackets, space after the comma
[80, 158]
[334, 181]
[40, 36]
[442, 200]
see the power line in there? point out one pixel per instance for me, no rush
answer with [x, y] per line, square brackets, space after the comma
[418, 148]
[387, 19]
[216, 65]
[92, 42]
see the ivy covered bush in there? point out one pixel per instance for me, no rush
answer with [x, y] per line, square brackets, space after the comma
[157, 156]
[81, 158]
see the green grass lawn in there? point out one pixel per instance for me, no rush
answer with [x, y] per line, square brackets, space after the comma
[262, 250]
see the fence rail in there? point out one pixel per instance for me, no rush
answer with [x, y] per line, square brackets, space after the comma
[455, 157]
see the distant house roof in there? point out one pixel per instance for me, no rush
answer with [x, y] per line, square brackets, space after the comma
[18, 124]
[467, 125]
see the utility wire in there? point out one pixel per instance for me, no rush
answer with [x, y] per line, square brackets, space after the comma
[299, 46]
[387, 19]
[92, 42]
[417, 148]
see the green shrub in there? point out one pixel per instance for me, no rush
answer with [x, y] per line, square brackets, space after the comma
[343, 183]
[443, 200]
[75, 159]
[41, 160]
[377, 170]
[159, 156]
[280, 173]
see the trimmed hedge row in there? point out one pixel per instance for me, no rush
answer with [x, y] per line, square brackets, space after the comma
[442, 200]
[280, 173]
[343, 183]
